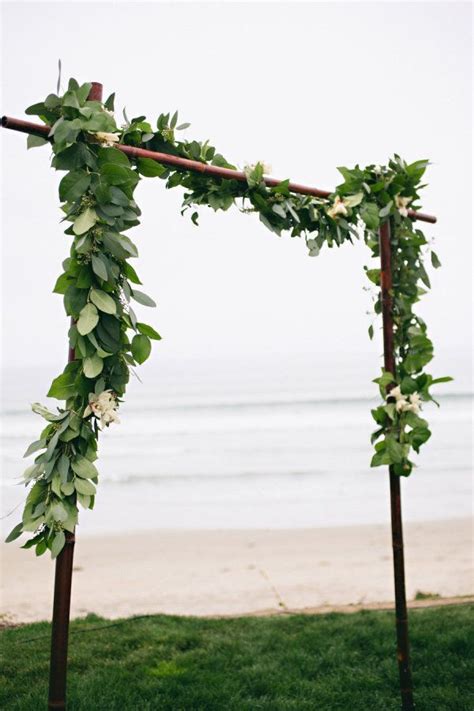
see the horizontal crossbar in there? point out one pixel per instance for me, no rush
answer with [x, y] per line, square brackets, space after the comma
[193, 165]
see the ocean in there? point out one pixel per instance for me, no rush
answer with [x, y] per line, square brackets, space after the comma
[272, 442]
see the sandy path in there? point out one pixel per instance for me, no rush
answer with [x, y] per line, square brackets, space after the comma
[235, 572]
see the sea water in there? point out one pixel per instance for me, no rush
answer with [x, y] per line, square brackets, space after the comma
[265, 443]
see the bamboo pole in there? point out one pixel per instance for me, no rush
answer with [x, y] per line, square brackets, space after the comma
[193, 165]
[401, 615]
[63, 584]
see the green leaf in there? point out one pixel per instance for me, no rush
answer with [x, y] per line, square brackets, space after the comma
[99, 267]
[34, 447]
[385, 379]
[142, 298]
[141, 348]
[62, 283]
[41, 547]
[84, 221]
[74, 185]
[148, 331]
[445, 379]
[68, 488]
[35, 141]
[374, 276]
[74, 300]
[103, 301]
[14, 533]
[62, 466]
[435, 260]
[370, 215]
[108, 156]
[371, 332]
[47, 414]
[58, 544]
[92, 366]
[84, 486]
[131, 274]
[109, 104]
[353, 200]
[63, 387]
[150, 168]
[119, 174]
[394, 449]
[408, 385]
[84, 468]
[380, 458]
[88, 319]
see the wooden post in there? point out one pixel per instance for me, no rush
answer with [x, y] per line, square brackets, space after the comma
[403, 650]
[63, 584]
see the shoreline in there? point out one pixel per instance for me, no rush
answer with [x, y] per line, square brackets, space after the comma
[214, 573]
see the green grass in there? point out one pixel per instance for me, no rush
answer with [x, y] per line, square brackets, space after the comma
[282, 663]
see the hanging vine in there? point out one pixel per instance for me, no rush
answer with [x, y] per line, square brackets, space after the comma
[99, 284]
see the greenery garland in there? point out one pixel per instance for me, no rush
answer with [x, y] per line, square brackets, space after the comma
[98, 284]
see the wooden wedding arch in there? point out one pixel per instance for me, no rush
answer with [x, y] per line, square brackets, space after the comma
[64, 562]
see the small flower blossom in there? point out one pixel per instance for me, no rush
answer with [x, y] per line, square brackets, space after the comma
[402, 205]
[106, 139]
[415, 403]
[404, 404]
[338, 208]
[250, 167]
[104, 407]
[395, 392]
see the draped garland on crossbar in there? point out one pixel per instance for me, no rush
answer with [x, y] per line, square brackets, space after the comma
[99, 285]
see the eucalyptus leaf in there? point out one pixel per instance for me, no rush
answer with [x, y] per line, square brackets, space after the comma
[84, 468]
[92, 366]
[142, 298]
[84, 221]
[88, 319]
[141, 348]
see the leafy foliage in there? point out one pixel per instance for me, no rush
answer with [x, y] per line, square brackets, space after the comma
[98, 201]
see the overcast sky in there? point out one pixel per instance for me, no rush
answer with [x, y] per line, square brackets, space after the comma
[306, 87]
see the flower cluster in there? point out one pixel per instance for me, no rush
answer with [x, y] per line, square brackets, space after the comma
[105, 138]
[103, 406]
[405, 403]
[338, 208]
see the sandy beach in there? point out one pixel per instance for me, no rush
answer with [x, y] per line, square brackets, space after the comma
[238, 572]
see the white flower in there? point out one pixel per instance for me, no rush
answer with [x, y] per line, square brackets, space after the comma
[338, 208]
[401, 403]
[103, 406]
[402, 205]
[250, 167]
[395, 392]
[378, 169]
[404, 404]
[415, 403]
[107, 139]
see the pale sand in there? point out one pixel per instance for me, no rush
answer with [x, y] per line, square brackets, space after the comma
[236, 572]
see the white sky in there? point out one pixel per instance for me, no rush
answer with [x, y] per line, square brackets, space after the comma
[305, 87]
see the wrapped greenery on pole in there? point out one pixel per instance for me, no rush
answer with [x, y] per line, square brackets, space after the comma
[99, 285]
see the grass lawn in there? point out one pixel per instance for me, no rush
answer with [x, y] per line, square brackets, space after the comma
[282, 663]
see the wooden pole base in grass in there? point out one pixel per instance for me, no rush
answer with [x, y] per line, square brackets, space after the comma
[403, 647]
[63, 583]
[60, 629]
